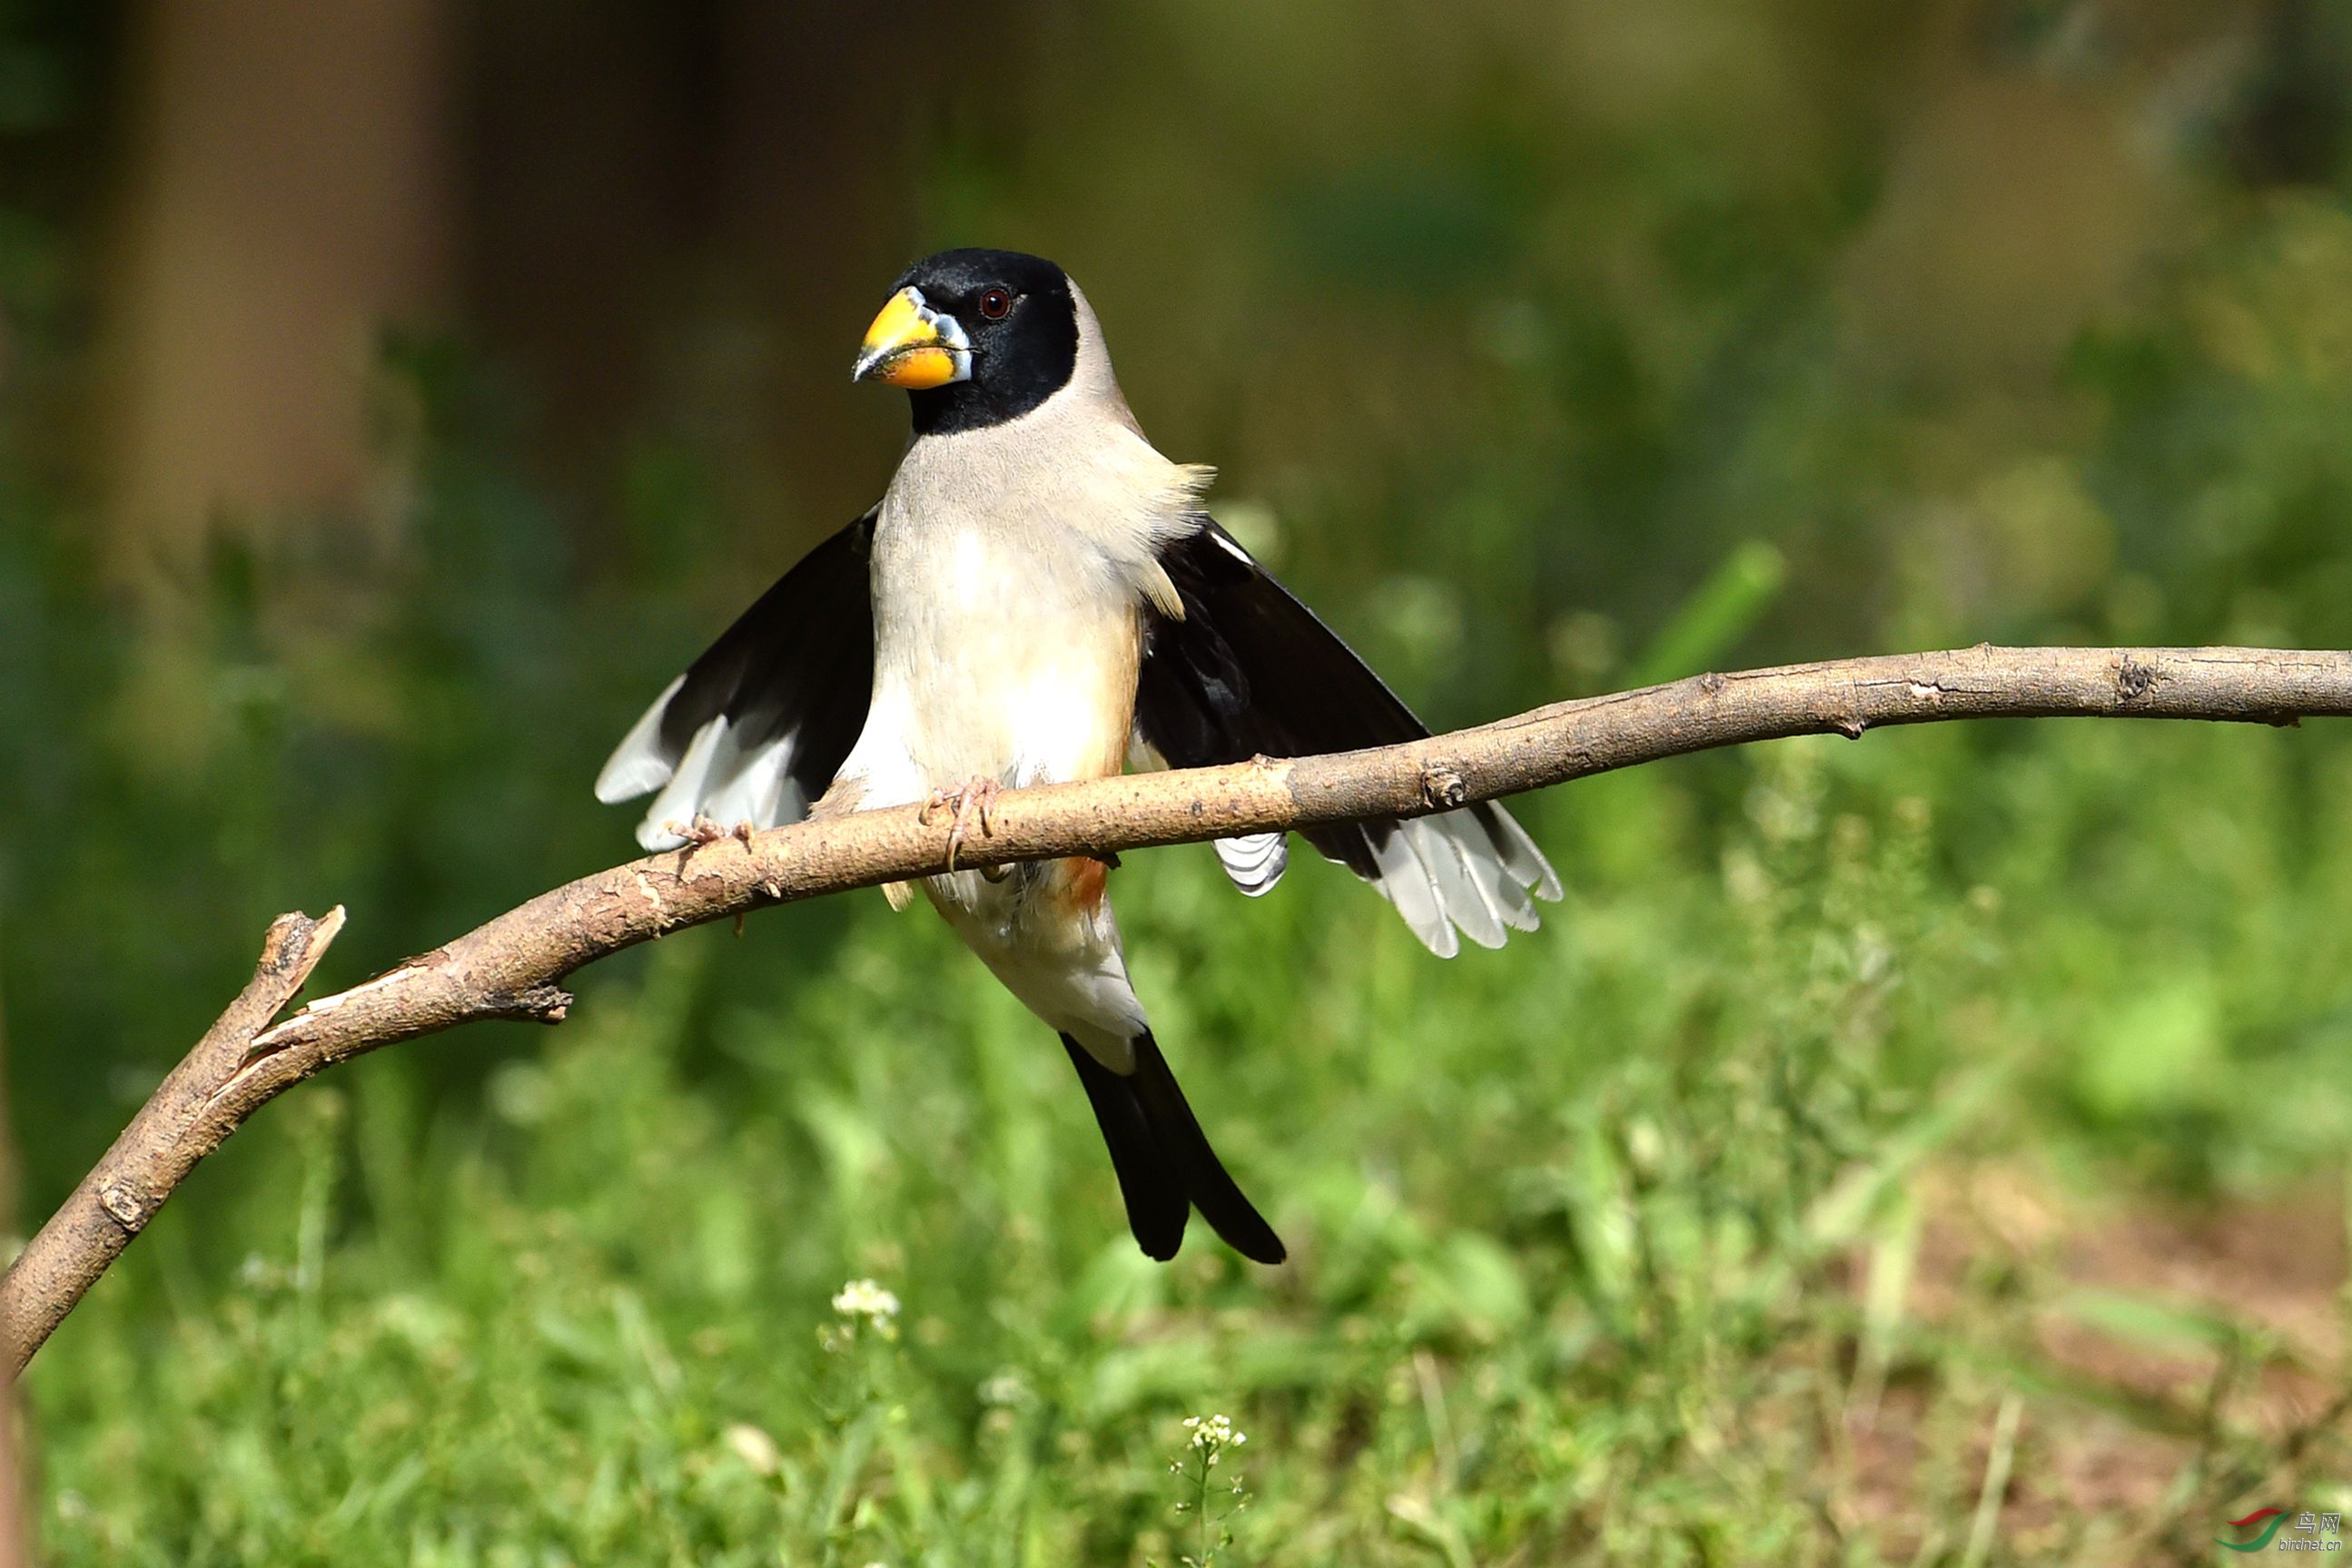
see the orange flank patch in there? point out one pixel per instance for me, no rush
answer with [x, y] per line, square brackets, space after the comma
[1084, 880]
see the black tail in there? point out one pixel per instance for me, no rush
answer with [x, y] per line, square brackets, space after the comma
[1166, 1168]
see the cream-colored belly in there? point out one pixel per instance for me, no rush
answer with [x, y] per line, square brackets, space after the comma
[996, 656]
[1041, 697]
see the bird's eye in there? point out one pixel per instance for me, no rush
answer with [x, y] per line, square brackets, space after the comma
[995, 304]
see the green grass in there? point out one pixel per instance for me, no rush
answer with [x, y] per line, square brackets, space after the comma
[1584, 1231]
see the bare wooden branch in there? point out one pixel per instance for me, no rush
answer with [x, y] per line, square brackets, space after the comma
[182, 1123]
[512, 966]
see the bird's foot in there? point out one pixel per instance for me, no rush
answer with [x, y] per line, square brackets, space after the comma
[702, 833]
[971, 803]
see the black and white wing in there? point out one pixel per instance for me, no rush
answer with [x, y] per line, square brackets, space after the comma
[760, 724]
[1250, 671]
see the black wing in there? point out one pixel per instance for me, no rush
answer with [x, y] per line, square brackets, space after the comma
[759, 726]
[1250, 671]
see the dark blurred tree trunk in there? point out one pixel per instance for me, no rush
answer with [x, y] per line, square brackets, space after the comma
[284, 195]
[686, 213]
[831, 109]
[2290, 125]
[583, 124]
[686, 209]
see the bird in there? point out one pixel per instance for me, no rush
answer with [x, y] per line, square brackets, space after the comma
[1041, 597]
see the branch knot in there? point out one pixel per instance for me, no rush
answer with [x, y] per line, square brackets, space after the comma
[125, 1204]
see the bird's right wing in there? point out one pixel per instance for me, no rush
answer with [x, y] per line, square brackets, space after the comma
[1248, 670]
[759, 726]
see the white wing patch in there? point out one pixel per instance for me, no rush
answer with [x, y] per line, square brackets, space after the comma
[1444, 873]
[1404, 883]
[684, 795]
[1255, 862]
[1449, 878]
[1458, 892]
[761, 791]
[636, 764]
[716, 778]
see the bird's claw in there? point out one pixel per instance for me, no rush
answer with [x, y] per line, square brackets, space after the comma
[974, 801]
[702, 833]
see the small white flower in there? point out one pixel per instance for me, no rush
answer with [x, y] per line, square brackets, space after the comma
[865, 1299]
[754, 1447]
[1006, 1390]
[1214, 1432]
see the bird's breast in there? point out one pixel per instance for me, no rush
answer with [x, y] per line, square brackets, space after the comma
[998, 655]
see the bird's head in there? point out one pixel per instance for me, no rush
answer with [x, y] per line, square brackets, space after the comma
[978, 337]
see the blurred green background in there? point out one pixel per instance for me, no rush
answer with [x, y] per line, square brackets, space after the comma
[1930, 1150]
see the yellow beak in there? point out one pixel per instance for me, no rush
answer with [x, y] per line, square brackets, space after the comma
[913, 346]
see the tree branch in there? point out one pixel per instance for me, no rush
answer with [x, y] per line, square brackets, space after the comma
[512, 967]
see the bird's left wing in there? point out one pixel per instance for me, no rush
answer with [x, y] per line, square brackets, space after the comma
[1250, 671]
[760, 724]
